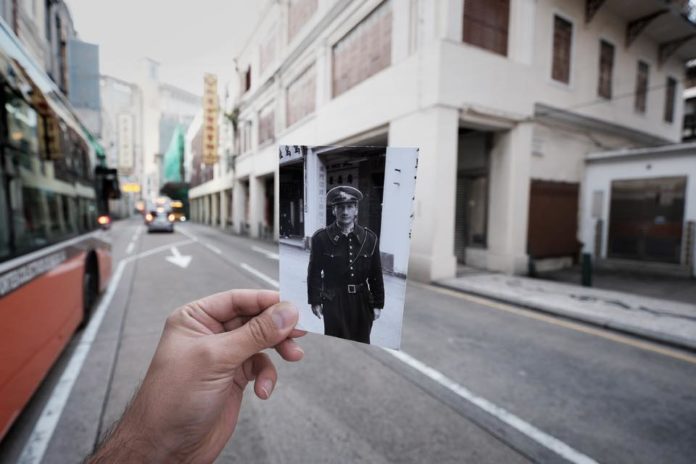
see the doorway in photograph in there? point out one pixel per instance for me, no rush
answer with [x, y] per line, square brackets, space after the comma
[292, 200]
[646, 218]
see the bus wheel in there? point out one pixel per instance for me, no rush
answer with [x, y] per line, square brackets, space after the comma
[90, 287]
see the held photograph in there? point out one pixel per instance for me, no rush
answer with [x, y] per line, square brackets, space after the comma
[345, 229]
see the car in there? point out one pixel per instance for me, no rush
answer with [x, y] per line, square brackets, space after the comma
[160, 218]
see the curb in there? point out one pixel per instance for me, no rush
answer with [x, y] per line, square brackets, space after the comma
[606, 323]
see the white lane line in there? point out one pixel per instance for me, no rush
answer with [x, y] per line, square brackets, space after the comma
[212, 248]
[35, 447]
[259, 274]
[129, 250]
[269, 254]
[544, 439]
[188, 234]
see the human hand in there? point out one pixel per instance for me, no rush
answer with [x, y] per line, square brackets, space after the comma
[188, 405]
[317, 310]
[378, 312]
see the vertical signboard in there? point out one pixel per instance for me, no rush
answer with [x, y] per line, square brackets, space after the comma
[125, 143]
[210, 120]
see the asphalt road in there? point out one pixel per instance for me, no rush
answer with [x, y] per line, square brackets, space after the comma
[481, 381]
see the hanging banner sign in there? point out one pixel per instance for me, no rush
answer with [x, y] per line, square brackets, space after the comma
[210, 120]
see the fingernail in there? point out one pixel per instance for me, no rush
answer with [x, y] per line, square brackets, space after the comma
[298, 349]
[267, 388]
[283, 315]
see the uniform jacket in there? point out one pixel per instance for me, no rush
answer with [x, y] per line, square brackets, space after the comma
[355, 261]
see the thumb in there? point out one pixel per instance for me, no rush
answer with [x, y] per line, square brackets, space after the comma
[263, 331]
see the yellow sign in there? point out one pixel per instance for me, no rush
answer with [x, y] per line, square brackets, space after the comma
[210, 120]
[130, 188]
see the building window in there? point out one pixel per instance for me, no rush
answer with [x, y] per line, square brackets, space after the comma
[247, 79]
[245, 136]
[670, 95]
[642, 86]
[562, 43]
[606, 69]
[267, 53]
[266, 124]
[486, 24]
[301, 96]
[364, 51]
[299, 13]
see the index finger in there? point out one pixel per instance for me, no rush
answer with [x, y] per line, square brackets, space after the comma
[231, 304]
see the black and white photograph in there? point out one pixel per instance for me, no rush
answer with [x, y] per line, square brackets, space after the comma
[345, 228]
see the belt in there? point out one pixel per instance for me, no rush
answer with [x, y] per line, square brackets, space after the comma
[351, 288]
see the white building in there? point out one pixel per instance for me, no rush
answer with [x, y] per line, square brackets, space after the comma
[121, 135]
[640, 205]
[504, 99]
[163, 108]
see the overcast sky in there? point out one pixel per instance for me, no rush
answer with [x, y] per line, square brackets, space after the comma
[188, 38]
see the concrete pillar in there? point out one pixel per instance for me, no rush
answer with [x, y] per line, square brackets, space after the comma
[207, 210]
[239, 206]
[224, 207]
[434, 131]
[508, 206]
[215, 204]
[257, 198]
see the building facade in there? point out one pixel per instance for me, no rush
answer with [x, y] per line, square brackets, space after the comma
[505, 100]
[164, 107]
[121, 134]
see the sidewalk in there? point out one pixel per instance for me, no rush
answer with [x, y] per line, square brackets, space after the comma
[658, 319]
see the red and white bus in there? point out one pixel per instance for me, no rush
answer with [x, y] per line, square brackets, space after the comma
[54, 259]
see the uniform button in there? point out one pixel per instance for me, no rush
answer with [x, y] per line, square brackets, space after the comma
[352, 275]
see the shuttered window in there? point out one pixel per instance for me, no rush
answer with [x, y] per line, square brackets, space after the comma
[486, 24]
[606, 69]
[302, 96]
[266, 124]
[642, 87]
[364, 51]
[562, 43]
[670, 95]
[299, 13]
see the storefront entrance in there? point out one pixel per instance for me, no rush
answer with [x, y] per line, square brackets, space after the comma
[646, 219]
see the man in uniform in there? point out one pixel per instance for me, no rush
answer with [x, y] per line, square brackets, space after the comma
[344, 279]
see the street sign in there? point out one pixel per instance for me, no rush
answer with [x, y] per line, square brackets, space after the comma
[130, 188]
[210, 120]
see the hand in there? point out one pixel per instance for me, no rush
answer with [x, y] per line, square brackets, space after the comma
[317, 310]
[378, 312]
[189, 401]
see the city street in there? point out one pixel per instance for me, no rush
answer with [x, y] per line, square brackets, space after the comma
[477, 380]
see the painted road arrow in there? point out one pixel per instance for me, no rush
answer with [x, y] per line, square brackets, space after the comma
[179, 259]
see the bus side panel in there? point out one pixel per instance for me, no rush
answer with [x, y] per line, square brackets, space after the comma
[104, 258]
[38, 320]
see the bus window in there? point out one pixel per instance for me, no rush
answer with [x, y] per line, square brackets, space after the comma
[4, 219]
[22, 125]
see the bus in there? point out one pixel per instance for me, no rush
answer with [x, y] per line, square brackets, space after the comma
[54, 258]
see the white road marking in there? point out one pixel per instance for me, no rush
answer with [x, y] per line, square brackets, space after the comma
[177, 258]
[37, 443]
[188, 234]
[129, 250]
[212, 248]
[544, 439]
[259, 274]
[269, 254]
